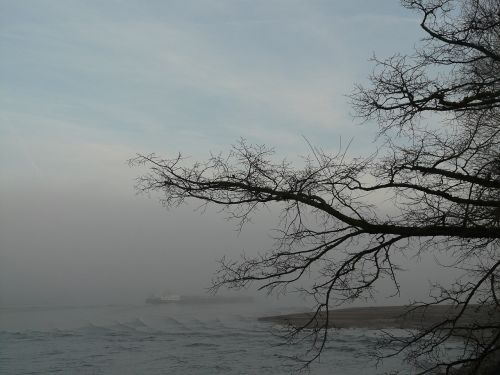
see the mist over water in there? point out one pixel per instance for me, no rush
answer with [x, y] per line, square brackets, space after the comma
[77, 247]
[81, 248]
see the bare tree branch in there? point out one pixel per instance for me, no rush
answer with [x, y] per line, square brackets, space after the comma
[440, 176]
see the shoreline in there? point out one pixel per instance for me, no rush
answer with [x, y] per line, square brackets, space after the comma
[382, 317]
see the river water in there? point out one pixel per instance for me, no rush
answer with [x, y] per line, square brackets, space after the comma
[171, 339]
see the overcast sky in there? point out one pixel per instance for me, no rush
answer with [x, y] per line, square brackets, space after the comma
[87, 84]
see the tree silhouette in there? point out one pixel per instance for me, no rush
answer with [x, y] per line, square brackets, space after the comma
[438, 112]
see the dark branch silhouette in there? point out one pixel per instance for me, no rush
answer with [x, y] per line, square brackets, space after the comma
[439, 164]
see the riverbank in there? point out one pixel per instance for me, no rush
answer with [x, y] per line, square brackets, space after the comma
[381, 317]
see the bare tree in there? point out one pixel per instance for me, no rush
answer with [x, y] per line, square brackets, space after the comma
[438, 112]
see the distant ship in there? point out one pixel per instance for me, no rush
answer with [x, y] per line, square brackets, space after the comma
[167, 298]
[175, 298]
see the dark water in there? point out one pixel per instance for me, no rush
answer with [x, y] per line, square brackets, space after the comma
[169, 339]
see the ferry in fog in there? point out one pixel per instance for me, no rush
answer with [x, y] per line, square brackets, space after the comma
[168, 298]
[175, 298]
